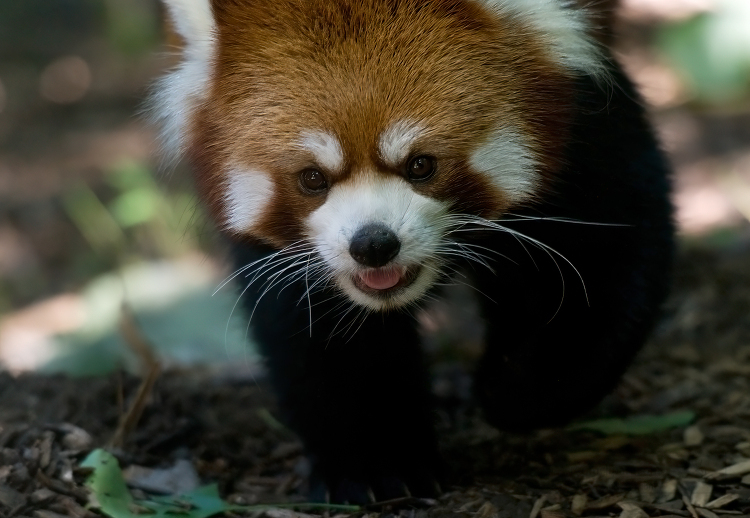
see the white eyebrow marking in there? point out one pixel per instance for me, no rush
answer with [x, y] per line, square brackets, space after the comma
[397, 140]
[326, 148]
[248, 193]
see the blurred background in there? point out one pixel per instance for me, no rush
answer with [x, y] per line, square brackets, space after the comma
[90, 224]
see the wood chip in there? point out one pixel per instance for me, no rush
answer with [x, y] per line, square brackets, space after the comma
[746, 480]
[75, 438]
[583, 456]
[41, 495]
[10, 498]
[45, 448]
[735, 470]
[743, 447]
[669, 509]
[578, 504]
[705, 513]
[537, 506]
[647, 492]
[471, 505]
[692, 436]
[701, 494]
[668, 491]
[722, 501]
[686, 499]
[553, 511]
[630, 510]
[604, 503]
[487, 511]
[627, 505]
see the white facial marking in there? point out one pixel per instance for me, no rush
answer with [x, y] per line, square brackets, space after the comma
[416, 219]
[325, 147]
[248, 194]
[179, 92]
[397, 140]
[564, 28]
[509, 163]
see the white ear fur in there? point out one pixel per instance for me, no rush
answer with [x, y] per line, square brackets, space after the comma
[565, 29]
[192, 19]
[178, 93]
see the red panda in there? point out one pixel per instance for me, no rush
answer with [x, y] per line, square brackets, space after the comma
[362, 153]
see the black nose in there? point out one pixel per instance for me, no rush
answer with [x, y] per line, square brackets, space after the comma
[374, 245]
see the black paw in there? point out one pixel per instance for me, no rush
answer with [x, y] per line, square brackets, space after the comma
[365, 490]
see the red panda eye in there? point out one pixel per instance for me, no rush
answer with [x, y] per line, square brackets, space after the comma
[420, 168]
[313, 181]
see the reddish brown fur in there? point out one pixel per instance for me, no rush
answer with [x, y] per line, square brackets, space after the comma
[353, 67]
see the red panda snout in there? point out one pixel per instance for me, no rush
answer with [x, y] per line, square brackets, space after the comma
[374, 245]
[379, 239]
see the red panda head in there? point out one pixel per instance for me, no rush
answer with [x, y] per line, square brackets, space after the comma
[365, 129]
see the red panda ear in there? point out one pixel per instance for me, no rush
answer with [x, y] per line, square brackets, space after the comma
[602, 14]
[193, 20]
[179, 93]
[564, 26]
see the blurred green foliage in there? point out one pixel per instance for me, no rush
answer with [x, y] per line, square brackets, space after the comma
[40, 29]
[132, 26]
[134, 214]
[712, 51]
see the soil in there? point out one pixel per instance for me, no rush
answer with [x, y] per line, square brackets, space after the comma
[699, 360]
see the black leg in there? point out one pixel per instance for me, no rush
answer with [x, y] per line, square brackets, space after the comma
[559, 338]
[356, 391]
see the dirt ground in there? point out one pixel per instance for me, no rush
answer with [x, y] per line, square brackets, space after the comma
[698, 360]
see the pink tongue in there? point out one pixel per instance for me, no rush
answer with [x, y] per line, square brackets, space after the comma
[381, 279]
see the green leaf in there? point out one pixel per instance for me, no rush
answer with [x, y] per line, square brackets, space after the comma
[108, 485]
[712, 51]
[201, 503]
[136, 207]
[111, 496]
[638, 424]
[92, 218]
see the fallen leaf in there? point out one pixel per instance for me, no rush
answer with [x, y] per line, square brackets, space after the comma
[638, 424]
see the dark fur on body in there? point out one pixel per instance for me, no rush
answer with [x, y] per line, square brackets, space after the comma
[360, 400]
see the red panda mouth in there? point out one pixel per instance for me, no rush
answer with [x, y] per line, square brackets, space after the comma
[386, 279]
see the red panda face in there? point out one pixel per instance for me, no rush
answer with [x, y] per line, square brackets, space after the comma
[367, 128]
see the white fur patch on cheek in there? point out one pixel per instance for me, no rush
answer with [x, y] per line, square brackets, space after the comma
[248, 194]
[397, 141]
[325, 147]
[508, 163]
[565, 30]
